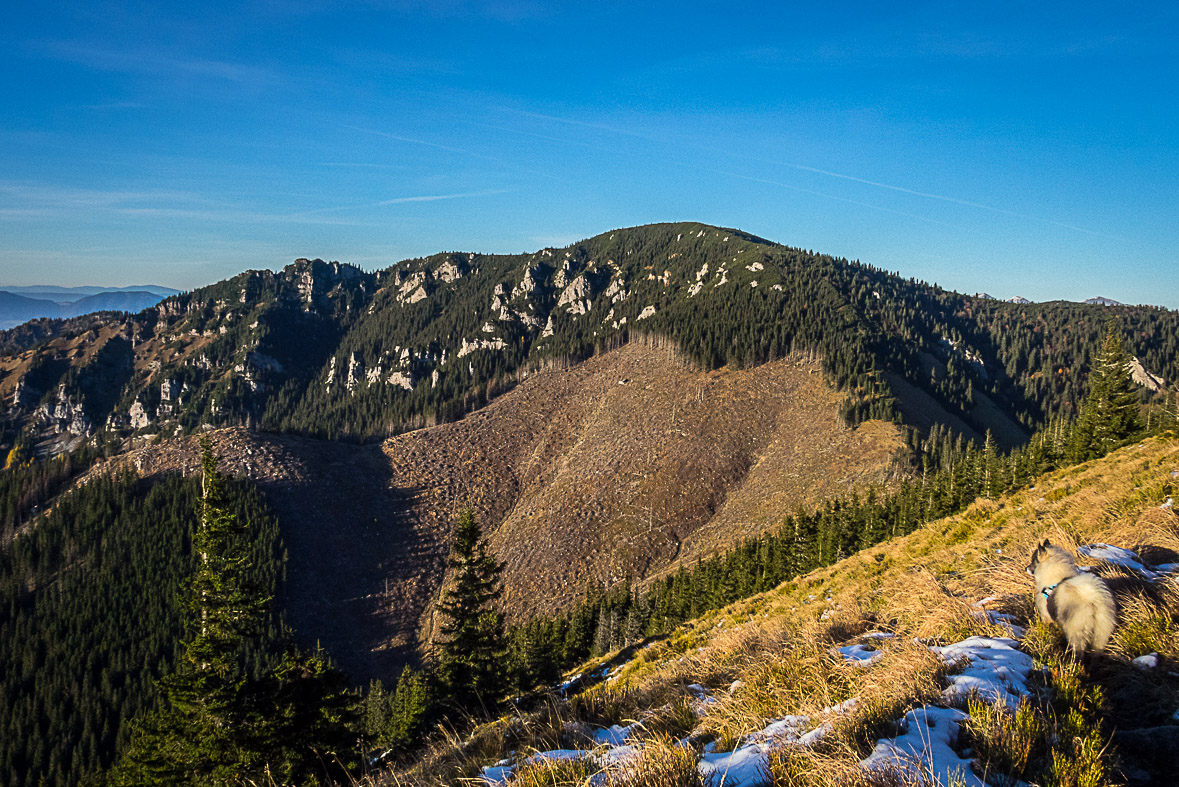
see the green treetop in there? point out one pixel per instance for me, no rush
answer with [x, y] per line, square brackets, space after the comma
[471, 653]
[1110, 415]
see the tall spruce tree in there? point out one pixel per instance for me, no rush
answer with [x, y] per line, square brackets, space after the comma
[1110, 414]
[219, 724]
[195, 738]
[471, 654]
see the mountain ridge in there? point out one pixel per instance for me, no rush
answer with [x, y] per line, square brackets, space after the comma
[330, 350]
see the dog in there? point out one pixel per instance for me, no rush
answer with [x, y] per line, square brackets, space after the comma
[1079, 603]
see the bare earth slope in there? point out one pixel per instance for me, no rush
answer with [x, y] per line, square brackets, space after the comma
[622, 465]
[631, 461]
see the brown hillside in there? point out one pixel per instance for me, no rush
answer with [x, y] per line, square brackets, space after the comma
[624, 464]
[632, 461]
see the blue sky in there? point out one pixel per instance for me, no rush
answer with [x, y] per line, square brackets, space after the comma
[1018, 149]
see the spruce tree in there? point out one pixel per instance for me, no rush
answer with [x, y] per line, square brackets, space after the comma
[220, 725]
[1110, 415]
[470, 657]
[193, 739]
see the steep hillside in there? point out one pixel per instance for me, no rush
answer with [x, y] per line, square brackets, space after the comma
[617, 467]
[915, 662]
[624, 464]
[328, 350]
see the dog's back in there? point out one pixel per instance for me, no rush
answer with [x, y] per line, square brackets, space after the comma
[1084, 608]
[1079, 603]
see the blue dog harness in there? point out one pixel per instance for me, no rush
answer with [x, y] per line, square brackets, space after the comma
[1047, 592]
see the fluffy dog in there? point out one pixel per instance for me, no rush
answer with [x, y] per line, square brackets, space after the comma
[1079, 603]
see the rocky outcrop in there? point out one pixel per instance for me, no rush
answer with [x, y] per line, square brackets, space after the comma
[413, 289]
[576, 297]
[1149, 381]
[63, 415]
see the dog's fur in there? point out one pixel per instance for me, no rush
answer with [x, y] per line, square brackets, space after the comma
[1080, 603]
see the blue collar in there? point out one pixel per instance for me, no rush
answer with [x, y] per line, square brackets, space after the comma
[1047, 592]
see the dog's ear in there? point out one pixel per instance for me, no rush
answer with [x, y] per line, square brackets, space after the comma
[1046, 544]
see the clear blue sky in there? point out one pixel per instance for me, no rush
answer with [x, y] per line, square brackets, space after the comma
[1021, 149]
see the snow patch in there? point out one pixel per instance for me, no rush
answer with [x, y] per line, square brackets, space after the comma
[861, 655]
[926, 749]
[994, 668]
[614, 735]
[743, 767]
[1118, 556]
[1149, 661]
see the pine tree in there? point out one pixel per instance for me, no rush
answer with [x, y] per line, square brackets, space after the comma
[411, 706]
[470, 657]
[1110, 415]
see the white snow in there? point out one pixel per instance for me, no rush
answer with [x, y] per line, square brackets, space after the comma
[743, 767]
[994, 668]
[861, 655]
[503, 770]
[1149, 661]
[925, 749]
[1119, 556]
[614, 735]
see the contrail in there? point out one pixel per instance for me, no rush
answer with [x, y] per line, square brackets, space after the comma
[838, 175]
[941, 197]
[402, 200]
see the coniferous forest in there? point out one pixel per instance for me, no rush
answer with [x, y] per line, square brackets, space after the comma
[91, 616]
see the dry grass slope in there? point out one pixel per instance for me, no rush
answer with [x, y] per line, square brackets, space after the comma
[772, 656]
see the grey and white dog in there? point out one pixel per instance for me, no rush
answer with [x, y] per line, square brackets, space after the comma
[1079, 603]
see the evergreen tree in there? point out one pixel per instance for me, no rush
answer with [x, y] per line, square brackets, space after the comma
[195, 739]
[219, 725]
[470, 658]
[411, 705]
[1110, 415]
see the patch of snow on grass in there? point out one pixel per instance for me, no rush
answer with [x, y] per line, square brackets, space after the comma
[743, 767]
[1149, 661]
[614, 735]
[502, 771]
[861, 655]
[994, 668]
[925, 750]
[1119, 556]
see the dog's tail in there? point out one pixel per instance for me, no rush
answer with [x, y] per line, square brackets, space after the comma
[1094, 614]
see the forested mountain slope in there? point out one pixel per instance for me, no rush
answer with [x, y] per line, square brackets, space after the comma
[328, 350]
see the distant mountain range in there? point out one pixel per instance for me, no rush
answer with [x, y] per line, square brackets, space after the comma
[24, 303]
